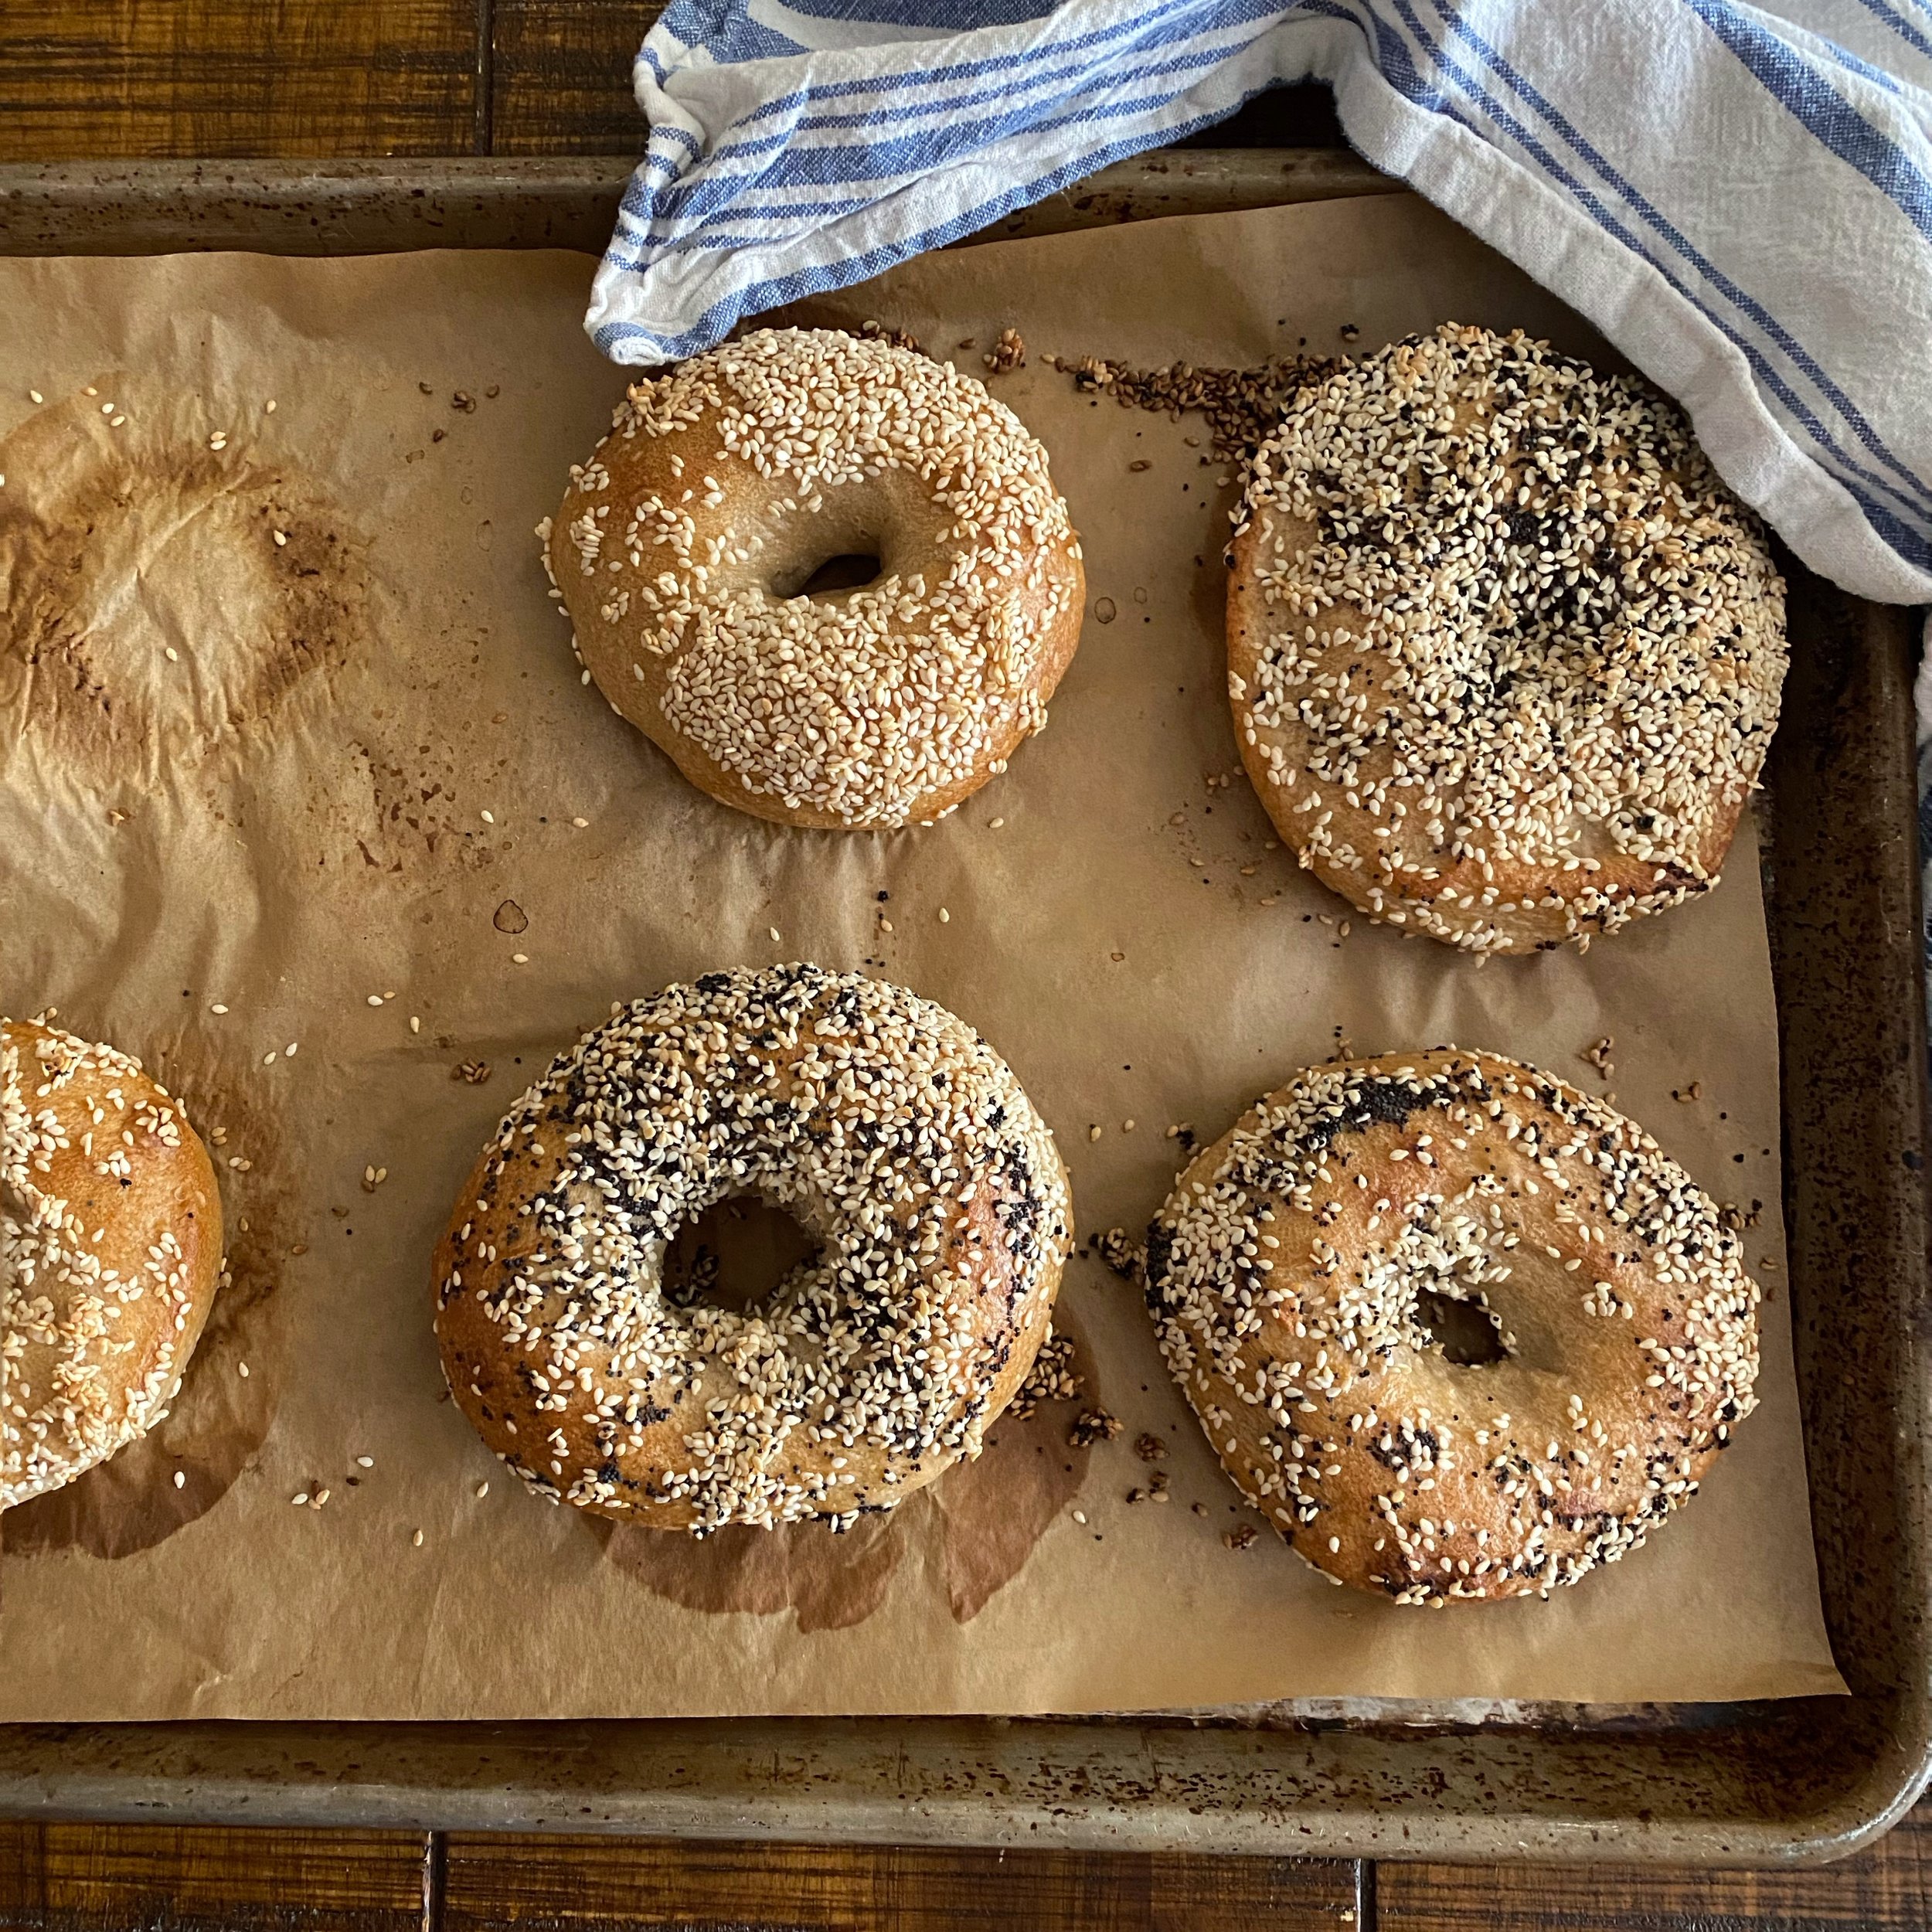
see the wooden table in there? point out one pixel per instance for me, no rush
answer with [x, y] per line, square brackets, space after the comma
[112, 78]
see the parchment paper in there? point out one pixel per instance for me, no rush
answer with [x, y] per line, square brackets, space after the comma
[291, 778]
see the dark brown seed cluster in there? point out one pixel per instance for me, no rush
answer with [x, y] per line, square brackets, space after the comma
[1241, 406]
[880, 1121]
[1518, 650]
[1292, 1274]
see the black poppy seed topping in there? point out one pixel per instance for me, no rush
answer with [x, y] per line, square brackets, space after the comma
[883, 1124]
[1289, 1273]
[65, 1403]
[859, 706]
[1519, 650]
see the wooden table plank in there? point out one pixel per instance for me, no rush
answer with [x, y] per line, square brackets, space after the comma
[560, 76]
[1888, 1889]
[111, 78]
[77, 1877]
[492, 1883]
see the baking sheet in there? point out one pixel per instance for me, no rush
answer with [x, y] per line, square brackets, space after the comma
[286, 818]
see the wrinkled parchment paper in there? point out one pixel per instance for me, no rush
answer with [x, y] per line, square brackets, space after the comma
[288, 727]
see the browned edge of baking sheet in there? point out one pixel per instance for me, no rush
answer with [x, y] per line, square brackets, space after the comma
[1810, 1780]
[376, 207]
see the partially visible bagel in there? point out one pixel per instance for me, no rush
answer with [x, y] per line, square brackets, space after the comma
[111, 1251]
[683, 548]
[1504, 653]
[1298, 1271]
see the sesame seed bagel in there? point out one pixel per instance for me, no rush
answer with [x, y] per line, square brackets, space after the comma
[1504, 653]
[1298, 1269]
[109, 1254]
[888, 1129]
[683, 547]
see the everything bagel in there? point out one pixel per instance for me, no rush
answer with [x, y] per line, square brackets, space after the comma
[894, 1133]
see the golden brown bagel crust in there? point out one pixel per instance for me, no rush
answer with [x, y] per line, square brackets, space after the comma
[681, 549]
[109, 1253]
[1285, 1273]
[888, 1128]
[1504, 653]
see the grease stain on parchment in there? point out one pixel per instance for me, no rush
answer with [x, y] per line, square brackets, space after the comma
[221, 1416]
[119, 545]
[982, 1518]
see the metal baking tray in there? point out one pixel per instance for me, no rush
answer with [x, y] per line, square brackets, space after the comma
[1796, 1781]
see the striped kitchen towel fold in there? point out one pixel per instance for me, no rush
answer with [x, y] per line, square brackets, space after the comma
[1739, 197]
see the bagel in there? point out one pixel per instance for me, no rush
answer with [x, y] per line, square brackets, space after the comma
[1291, 1273]
[1504, 653]
[887, 1128]
[684, 548]
[109, 1254]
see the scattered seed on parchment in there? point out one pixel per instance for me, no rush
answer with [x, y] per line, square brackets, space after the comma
[365, 1462]
[1009, 353]
[181, 1479]
[417, 1540]
[482, 1490]
[1093, 1132]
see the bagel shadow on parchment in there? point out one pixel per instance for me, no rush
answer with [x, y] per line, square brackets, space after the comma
[983, 1517]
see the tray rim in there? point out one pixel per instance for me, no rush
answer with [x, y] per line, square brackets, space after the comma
[49, 1772]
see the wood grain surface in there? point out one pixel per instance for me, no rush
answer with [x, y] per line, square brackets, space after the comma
[107, 79]
[67, 1878]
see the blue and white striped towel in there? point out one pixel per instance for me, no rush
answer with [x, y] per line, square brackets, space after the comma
[1739, 197]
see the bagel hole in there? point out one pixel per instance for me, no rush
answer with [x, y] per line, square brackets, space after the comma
[735, 1255]
[850, 570]
[1468, 1332]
